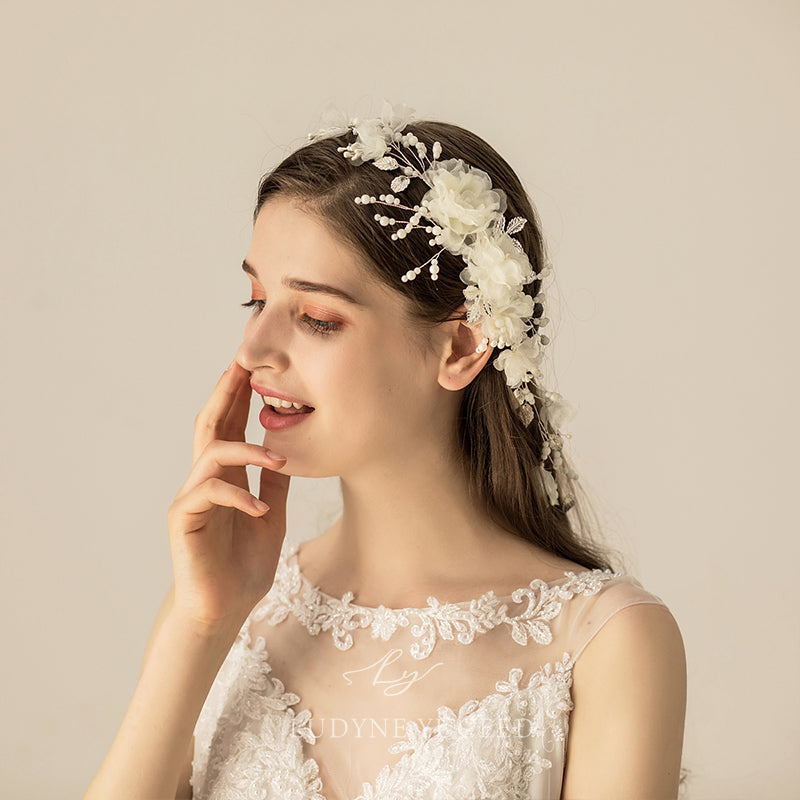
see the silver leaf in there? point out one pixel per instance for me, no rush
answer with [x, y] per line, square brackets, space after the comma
[518, 245]
[387, 162]
[500, 224]
[400, 183]
[516, 225]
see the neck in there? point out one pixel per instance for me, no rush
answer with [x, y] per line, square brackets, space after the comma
[406, 528]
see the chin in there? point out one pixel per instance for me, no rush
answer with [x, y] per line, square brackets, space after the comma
[298, 467]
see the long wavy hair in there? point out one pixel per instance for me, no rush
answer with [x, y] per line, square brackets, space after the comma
[500, 456]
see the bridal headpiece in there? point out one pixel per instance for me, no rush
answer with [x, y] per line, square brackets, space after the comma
[464, 214]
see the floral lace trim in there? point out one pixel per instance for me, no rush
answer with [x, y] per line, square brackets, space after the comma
[461, 622]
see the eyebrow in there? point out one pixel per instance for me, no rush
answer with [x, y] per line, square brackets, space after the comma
[308, 286]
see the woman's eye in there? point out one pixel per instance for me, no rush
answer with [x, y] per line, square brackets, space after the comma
[321, 325]
[315, 325]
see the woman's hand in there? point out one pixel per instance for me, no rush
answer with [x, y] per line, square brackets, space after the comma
[224, 546]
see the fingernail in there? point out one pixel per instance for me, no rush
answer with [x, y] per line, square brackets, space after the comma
[260, 505]
[276, 456]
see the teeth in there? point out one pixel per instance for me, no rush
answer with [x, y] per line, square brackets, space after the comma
[274, 401]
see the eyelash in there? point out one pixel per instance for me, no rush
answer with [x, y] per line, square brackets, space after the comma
[316, 325]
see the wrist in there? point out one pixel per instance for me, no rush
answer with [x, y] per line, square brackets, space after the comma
[219, 630]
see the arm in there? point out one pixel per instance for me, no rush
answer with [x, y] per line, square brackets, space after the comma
[151, 755]
[225, 550]
[629, 691]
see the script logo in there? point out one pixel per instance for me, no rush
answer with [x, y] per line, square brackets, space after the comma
[393, 686]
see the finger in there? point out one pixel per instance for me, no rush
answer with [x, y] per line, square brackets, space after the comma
[220, 455]
[189, 513]
[235, 424]
[211, 418]
[273, 489]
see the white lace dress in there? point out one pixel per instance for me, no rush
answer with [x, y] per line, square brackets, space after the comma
[323, 699]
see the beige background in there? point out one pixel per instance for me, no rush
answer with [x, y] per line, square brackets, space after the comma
[658, 141]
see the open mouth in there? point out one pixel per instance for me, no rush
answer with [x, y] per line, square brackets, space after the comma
[287, 412]
[277, 418]
[284, 408]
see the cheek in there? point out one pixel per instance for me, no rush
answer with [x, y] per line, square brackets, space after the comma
[391, 382]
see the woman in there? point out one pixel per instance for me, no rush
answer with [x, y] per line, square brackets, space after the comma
[455, 633]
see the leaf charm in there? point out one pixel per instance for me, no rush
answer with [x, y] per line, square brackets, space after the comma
[516, 225]
[387, 162]
[400, 183]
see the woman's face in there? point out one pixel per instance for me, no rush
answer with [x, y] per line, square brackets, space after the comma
[374, 392]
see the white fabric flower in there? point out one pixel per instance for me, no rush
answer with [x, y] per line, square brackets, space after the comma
[395, 118]
[461, 201]
[507, 324]
[375, 136]
[496, 266]
[520, 363]
[559, 411]
[371, 141]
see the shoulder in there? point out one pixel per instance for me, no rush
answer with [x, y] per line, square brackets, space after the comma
[629, 694]
[626, 632]
[640, 635]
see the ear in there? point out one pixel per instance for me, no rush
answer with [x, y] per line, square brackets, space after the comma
[459, 361]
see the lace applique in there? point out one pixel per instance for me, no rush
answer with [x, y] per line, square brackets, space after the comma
[461, 622]
[253, 741]
[489, 749]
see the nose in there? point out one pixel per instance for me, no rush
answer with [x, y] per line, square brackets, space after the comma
[263, 345]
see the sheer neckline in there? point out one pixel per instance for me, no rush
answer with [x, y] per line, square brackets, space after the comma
[568, 577]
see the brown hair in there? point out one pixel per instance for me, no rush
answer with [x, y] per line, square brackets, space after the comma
[499, 454]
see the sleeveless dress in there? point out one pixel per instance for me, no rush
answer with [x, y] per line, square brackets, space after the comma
[323, 699]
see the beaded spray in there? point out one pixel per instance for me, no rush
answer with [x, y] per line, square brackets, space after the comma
[462, 213]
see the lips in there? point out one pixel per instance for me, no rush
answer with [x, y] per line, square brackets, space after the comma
[273, 420]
